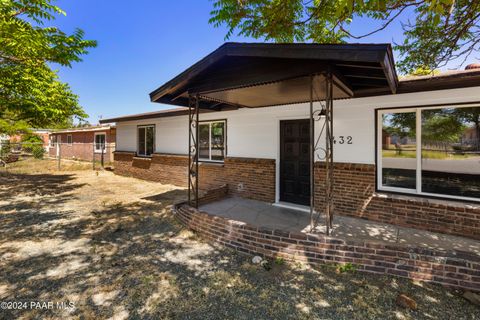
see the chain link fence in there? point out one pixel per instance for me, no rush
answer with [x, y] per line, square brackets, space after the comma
[100, 155]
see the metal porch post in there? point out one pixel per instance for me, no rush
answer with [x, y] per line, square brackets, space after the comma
[329, 153]
[312, 158]
[193, 118]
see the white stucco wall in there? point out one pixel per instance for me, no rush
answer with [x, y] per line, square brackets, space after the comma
[255, 132]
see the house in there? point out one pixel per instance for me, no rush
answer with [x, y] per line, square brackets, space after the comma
[83, 143]
[259, 146]
[306, 125]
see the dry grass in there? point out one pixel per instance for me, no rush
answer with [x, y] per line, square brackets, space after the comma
[31, 165]
[109, 245]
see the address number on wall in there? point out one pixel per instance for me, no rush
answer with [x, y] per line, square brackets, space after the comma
[343, 140]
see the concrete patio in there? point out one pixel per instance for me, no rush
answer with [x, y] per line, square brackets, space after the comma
[262, 214]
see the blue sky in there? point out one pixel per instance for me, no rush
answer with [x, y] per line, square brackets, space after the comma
[143, 44]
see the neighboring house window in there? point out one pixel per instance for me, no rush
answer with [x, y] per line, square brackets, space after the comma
[146, 140]
[212, 140]
[421, 151]
[99, 142]
[69, 139]
[53, 140]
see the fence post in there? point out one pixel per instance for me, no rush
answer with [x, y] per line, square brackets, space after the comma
[93, 153]
[58, 155]
[101, 157]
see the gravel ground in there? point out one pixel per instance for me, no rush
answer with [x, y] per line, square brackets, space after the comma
[108, 245]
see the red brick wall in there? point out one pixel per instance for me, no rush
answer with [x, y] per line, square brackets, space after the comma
[354, 195]
[450, 268]
[354, 191]
[82, 145]
[249, 178]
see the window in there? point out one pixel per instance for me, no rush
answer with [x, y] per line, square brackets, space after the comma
[430, 150]
[69, 139]
[146, 140]
[99, 142]
[211, 140]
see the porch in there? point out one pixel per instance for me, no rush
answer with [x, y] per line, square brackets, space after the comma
[262, 214]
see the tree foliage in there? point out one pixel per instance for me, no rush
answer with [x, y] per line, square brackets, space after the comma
[438, 125]
[441, 30]
[31, 94]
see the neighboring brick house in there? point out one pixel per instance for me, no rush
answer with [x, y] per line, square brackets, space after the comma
[84, 143]
[42, 133]
[259, 151]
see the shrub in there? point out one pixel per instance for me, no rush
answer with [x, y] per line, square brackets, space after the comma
[347, 267]
[34, 144]
[5, 149]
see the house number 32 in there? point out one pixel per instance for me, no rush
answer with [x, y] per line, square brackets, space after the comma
[343, 140]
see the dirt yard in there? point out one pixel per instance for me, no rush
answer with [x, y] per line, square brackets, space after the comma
[109, 246]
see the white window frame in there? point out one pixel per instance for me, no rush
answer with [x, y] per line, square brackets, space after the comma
[138, 142]
[209, 122]
[418, 142]
[71, 139]
[95, 142]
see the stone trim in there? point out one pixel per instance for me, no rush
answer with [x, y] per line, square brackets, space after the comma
[458, 269]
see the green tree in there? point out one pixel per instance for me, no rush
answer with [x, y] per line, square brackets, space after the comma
[470, 115]
[439, 30]
[31, 94]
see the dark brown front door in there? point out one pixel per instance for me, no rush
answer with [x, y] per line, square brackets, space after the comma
[295, 161]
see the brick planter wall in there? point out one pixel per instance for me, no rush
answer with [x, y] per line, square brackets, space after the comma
[246, 177]
[450, 268]
[354, 196]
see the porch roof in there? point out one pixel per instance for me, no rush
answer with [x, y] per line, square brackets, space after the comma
[266, 74]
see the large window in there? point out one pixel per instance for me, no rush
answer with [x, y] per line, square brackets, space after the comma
[431, 150]
[146, 140]
[211, 141]
[99, 142]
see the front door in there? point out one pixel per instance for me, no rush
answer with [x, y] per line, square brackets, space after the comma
[295, 161]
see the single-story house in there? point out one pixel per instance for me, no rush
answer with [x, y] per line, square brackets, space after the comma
[84, 143]
[298, 125]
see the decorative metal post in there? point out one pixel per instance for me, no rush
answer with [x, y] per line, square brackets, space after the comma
[326, 131]
[312, 158]
[193, 119]
[329, 153]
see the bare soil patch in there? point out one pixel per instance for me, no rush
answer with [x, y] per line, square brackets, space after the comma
[109, 245]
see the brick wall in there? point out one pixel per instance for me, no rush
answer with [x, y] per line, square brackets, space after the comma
[251, 178]
[355, 196]
[167, 169]
[450, 268]
[354, 190]
[246, 177]
[82, 145]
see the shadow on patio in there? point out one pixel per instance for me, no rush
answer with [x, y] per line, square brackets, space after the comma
[262, 214]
